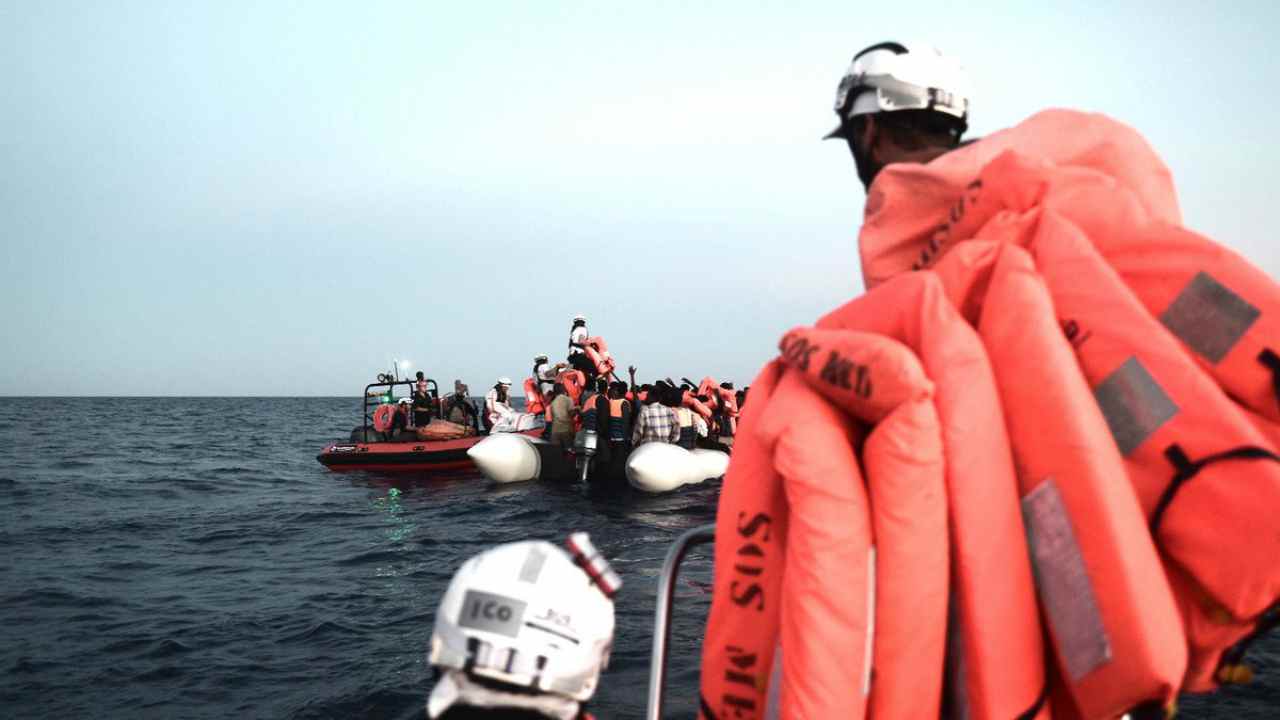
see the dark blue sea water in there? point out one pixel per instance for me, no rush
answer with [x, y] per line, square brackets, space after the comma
[189, 558]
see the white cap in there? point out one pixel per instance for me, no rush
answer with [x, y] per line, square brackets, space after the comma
[579, 318]
[893, 76]
[523, 615]
[504, 380]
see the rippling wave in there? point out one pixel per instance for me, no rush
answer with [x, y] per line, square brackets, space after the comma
[188, 557]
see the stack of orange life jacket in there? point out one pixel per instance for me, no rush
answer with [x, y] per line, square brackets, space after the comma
[1032, 472]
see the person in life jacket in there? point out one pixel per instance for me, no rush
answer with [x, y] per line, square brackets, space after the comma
[578, 358]
[595, 416]
[618, 428]
[523, 632]
[497, 404]
[597, 351]
[678, 400]
[832, 589]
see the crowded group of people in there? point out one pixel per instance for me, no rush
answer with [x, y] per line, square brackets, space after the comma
[585, 392]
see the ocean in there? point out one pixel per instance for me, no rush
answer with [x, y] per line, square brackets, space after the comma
[189, 558]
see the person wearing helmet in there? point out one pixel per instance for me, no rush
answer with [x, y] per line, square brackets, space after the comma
[577, 348]
[497, 405]
[900, 103]
[523, 631]
[544, 373]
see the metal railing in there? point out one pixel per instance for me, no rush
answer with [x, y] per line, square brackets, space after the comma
[662, 612]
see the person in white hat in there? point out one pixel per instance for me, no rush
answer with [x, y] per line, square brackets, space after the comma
[900, 103]
[578, 359]
[497, 405]
[523, 631]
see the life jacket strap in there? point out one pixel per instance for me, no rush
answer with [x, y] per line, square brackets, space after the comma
[1185, 468]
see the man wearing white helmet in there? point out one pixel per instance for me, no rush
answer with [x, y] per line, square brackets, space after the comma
[577, 347]
[523, 631]
[900, 103]
[497, 405]
[544, 373]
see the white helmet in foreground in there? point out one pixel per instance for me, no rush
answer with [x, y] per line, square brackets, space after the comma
[524, 625]
[891, 76]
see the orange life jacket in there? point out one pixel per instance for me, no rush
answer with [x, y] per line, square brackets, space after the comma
[598, 352]
[689, 400]
[574, 383]
[862, 356]
[1111, 616]
[1182, 354]
[533, 400]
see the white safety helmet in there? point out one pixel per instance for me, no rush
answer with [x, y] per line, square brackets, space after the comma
[528, 616]
[891, 76]
[504, 380]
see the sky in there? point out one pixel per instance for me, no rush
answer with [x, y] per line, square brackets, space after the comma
[247, 198]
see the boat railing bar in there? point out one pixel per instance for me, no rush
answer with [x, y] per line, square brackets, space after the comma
[662, 612]
[434, 392]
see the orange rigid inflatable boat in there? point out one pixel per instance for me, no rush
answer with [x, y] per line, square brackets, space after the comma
[1103, 387]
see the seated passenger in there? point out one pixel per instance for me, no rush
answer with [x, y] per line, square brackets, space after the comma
[497, 405]
[523, 631]
[458, 408]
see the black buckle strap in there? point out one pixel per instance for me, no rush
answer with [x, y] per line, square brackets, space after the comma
[1186, 468]
[1269, 358]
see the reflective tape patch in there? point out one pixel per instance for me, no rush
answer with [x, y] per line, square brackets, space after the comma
[773, 700]
[1134, 405]
[1063, 582]
[492, 613]
[532, 566]
[1209, 317]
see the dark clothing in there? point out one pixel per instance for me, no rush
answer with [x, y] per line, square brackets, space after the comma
[580, 361]
[459, 410]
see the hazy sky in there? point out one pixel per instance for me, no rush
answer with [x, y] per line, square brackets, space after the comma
[270, 198]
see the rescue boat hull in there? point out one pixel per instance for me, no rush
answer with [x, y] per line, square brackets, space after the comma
[415, 456]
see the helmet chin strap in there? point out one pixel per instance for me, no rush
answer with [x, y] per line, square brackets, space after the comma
[455, 688]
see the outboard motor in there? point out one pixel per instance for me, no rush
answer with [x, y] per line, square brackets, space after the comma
[584, 448]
